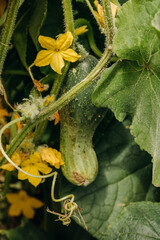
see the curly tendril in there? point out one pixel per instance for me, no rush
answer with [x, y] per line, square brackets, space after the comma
[69, 206]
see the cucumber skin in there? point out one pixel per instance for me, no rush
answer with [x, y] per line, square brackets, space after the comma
[79, 119]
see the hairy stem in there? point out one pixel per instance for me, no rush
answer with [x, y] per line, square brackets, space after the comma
[7, 30]
[68, 16]
[109, 25]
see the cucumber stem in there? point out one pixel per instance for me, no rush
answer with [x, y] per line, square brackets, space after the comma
[68, 16]
[7, 32]
[108, 20]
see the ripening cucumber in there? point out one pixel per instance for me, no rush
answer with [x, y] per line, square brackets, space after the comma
[79, 119]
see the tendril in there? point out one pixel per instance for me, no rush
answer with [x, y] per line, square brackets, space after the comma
[69, 206]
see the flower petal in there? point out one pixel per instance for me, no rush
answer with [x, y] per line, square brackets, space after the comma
[28, 211]
[64, 41]
[32, 170]
[43, 168]
[57, 63]
[15, 209]
[34, 181]
[70, 55]
[52, 156]
[44, 57]
[47, 42]
[12, 197]
[21, 175]
[8, 167]
[35, 157]
[36, 203]
[81, 30]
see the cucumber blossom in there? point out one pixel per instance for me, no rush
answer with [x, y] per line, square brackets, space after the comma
[79, 119]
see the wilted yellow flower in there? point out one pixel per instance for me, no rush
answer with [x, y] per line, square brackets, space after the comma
[57, 118]
[100, 14]
[34, 165]
[16, 158]
[40, 87]
[57, 51]
[52, 156]
[22, 203]
[81, 30]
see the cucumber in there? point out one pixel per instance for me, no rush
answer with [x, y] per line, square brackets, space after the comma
[79, 119]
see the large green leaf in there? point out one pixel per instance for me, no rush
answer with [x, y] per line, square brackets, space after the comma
[124, 176]
[139, 221]
[133, 87]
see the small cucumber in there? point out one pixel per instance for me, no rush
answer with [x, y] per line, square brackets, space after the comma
[79, 119]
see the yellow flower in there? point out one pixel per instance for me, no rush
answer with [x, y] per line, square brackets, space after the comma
[22, 203]
[16, 158]
[81, 30]
[100, 14]
[57, 50]
[52, 156]
[34, 165]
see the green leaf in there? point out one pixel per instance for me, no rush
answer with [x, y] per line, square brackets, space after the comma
[28, 231]
[37, 20]
[139, 221]
[132, 87]
[136, 38]
[124, 176]
[156, 23]
[20, 36]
